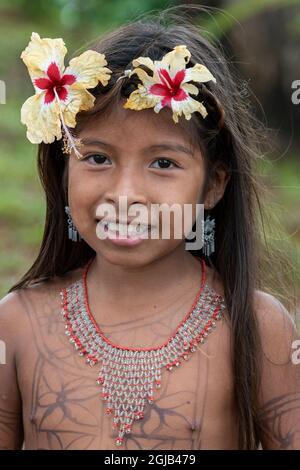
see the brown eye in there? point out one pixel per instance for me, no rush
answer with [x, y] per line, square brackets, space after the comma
[96, 159]
[164, 163]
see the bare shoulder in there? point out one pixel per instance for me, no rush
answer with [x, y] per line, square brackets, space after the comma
[11, 314]
[12, 304]
[19, 308]
[270, 312]
[279, 395]
[276, 325]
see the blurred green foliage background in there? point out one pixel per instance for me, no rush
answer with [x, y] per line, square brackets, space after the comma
[261, 38]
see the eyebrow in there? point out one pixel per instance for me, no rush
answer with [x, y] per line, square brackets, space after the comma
[175, 147]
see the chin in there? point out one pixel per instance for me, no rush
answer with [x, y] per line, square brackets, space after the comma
[129, 257]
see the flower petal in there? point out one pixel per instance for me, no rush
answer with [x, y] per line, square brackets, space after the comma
[181, 95]
[67, 79]
[143, 61]
[178, 78]
[175, 60]
[158, 106]
[146, 79]
[199, 73]
[53, 72]
[40, 53]
[141, 99]
[49, 96]
[43, 83]
[187, 107]
[42, 120]
[78, 99]
[89, 68]
[158, 89]
[166, 102]
[189, 88]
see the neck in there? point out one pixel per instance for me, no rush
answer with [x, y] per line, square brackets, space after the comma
[127, 290]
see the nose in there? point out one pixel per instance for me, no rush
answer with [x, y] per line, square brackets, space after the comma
[126, 182]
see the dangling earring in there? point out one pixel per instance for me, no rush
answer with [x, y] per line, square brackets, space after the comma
[209, 236]
[73, 233]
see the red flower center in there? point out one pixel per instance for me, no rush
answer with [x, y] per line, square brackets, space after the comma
[55, 82]
[169, 87]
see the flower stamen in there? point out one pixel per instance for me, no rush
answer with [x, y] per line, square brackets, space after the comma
[68, 135]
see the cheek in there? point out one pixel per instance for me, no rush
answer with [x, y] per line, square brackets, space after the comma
[82, 186]
[186, 189]
[80, 195]
[182, 198]
[195, 188]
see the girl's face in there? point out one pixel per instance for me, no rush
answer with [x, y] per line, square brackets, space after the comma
[144, 156]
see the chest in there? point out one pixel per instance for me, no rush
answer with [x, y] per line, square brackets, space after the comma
[63, 407]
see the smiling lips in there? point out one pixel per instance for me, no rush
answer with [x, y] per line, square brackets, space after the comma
[124, 230]
[124, 234]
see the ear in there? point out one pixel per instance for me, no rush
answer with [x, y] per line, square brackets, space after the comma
[216, 188]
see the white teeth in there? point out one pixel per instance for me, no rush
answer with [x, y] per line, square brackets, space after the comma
[124, 229]
[137, 229]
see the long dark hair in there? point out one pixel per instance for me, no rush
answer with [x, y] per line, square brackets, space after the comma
[229, 138]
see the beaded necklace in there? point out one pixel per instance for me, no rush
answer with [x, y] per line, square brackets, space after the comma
[128, 376]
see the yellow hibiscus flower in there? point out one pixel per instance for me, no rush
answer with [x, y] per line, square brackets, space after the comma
[168, 86]
[60, 93]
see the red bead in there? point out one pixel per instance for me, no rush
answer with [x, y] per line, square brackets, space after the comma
[125, 428]
[139, 415]
[119, 441]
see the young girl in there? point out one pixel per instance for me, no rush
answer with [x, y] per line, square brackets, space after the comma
[186, 351]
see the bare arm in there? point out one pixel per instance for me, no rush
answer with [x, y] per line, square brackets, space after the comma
[279, 413]
[11, 429]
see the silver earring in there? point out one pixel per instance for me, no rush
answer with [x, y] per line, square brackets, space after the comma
[209, 236]
[72, 231]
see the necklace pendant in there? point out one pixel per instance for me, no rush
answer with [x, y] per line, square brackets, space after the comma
[119, 441]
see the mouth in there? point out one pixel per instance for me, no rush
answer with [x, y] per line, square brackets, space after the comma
[124, 230]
